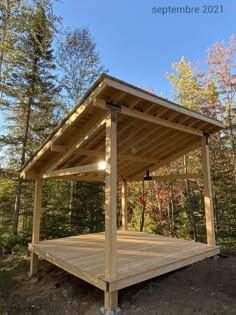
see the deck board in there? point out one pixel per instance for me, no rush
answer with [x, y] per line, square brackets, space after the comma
[140, 256]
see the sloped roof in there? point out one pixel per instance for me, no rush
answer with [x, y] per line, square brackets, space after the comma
[151, 132]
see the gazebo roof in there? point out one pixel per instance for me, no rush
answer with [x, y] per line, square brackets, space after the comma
[151, 132]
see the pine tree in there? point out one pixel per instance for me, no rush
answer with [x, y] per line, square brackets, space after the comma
[30, 92]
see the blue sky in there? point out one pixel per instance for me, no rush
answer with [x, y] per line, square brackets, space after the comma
[139, 46]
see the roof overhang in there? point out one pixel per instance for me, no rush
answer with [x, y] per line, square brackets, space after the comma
[151, 132]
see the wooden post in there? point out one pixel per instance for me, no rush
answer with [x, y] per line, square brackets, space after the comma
[111, 208]
[124, 213]
[111, 301]
[208, 193]
[36, 224]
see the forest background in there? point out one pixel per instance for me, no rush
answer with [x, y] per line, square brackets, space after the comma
[44, 70]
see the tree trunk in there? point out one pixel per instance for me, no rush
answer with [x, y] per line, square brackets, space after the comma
[20, 180]
[71, 203]
[172, 219]
[17, 205]
[190, 204]
[5, 18]
[142, 218]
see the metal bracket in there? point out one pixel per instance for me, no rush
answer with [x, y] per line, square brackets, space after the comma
[113, 106]
[207, 136]
[114, 109]
[147, 176]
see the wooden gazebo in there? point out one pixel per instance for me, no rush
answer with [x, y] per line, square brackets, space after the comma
[116, 133]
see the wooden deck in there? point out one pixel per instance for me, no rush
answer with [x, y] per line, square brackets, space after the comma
[140, 256]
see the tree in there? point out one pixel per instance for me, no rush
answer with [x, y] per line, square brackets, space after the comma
[29, 92]
[213, 93]
[79, 63]
[222, 68]
[12, 25]
[192, 88]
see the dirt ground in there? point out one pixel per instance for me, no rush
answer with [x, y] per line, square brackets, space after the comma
[207, 287]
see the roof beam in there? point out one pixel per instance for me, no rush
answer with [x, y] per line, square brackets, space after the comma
[73, 171]
[47, 145]
[91, 128]
[71, 118]
[160, 101]
[170, 177]
[78, 178]
[122, 157]
[59, 148]
[140, 174]
[150, 118]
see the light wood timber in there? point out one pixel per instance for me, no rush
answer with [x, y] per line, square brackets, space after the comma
[171, 177]
[159, 156]
[124, 94]
[81, 108]
[126, 125]
[56, 257]
[111, 300]
[123, 157]
[159, 101]
[160, 138]
[124, 212]
[73, 170]
[80, 178]
[153, 150]
[208, 193]
[29, 175]
[91, 129]
[152, 119]
[59, 148]
[111, 196]
[138, 177]
[140, 256]
[36, 224]
[44, 147]
[148, 146]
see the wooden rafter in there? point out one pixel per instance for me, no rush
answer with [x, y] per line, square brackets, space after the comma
[72, 118]
[152, 119]
[171, 177]
[122, 157]
[160, 101]
[139, 175]
[149, 130]
[90, 130]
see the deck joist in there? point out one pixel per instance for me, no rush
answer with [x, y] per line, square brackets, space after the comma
[141, 256]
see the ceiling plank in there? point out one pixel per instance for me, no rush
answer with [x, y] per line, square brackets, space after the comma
[91, 128]
[150, 118]
[139, 175]
[122, 157]
[171, 177]
[160, 101]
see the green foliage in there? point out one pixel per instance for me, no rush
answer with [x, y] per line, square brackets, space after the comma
[192, 88]
[29, 91]
[87, 207]
[213, 93]
[79, 63]
[13, 244]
